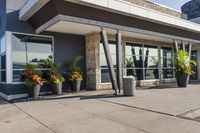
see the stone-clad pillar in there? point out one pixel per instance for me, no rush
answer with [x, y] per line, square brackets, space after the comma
[92, 61]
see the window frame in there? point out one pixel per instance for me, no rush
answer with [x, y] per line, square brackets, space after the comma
[36, 35]
[2, 54]
[143, 57]
[159, 57]
[166, 68]
[112, 42]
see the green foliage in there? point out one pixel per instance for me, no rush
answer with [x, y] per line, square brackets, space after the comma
[31, 76]
[73, 63]
[53, 75]
[182, 62]
[129, 63]
[49, 64]
[73, 66]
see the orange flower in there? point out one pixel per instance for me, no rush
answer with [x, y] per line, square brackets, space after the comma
[37, 79]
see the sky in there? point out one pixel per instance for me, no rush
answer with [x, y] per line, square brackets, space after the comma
[175, 4]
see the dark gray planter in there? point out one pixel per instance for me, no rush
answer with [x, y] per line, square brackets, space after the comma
[182, 79]
[76, 85]
[57, 88]
[34, 92]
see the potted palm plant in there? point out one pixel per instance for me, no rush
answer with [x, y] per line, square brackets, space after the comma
[33, 81]
[53, 76]
[74, 73]
[183, 66]
[129, 66]
[76, 78]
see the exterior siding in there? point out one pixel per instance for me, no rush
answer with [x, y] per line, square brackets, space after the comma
[76, 10]
[2, 16]
[66, 46]
[12, 17]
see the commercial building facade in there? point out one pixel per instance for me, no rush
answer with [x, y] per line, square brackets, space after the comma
[32, 30]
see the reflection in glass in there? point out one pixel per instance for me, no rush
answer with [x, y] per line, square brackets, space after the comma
[30, 49]
[133, 49]
[151, 74]
[152, 62]
[3, 76]
[3, 44]
[150, 50]
[3, 62]
[136, 61]
[194, 68]
[17, 75]
[137, 73]
[103, 61]
[167, 73]
[166, 63]
[167, 52]
[105, 76]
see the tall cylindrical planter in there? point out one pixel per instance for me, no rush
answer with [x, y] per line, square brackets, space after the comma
[76, 85]
[57, 88]
[182, 79]
[34, 92]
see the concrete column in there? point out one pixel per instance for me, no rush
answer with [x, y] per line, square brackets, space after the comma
[119, 61]
[92, 61]
[109, 60]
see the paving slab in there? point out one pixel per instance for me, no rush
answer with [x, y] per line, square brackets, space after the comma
[150, 111]
[172, 101]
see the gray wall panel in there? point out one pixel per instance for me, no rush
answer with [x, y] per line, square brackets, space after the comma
[2, 16]
[14, 24]
[66, 47]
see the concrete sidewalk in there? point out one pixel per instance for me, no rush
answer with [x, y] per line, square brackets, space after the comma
[96, 112]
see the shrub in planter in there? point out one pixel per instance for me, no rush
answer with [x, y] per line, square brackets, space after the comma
[76, 78]
[74, 74]
[183, 66]
[53, 77]
[56, 83]
[33, 81]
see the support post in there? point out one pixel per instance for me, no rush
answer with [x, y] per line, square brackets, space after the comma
[175, 46]
[183, 45]
[119, 61]
[109, 60]
[189, 52]
[189, 48]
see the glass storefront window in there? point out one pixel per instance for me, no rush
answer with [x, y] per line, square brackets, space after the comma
[3, 44]
[141, 61]
[29, 49]
[151, 74]
[167, 62]
[3, 58]
[194, 68]
[105, 76]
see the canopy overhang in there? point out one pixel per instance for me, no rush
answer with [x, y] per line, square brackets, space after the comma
[113, 16]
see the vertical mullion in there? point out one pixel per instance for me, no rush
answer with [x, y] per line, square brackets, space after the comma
[159, 62]
[143, 65]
